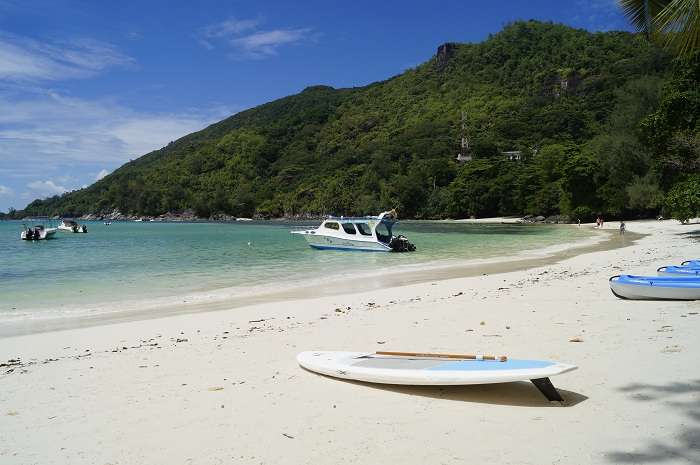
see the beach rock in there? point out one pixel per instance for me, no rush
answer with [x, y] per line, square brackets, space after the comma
[576, 339]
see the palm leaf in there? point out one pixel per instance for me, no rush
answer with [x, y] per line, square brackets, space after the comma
[680, 24]
[642, 13]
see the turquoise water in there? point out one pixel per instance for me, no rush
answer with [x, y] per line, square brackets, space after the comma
[130, 261]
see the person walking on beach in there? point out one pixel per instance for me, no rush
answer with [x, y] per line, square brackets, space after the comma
[622, 228]
[597, 222]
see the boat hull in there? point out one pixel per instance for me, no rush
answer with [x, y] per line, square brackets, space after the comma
[78, 230]
[655, 288]
[43, 235]
[321, 242]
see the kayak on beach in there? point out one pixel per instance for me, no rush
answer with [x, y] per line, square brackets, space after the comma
[691, 263]
[427, 369]
[679, 271]
[655, 287]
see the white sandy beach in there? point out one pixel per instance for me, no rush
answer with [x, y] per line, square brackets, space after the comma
[224, 387]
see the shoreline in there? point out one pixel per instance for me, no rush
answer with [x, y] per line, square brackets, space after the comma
[224, 386]
[231, 298]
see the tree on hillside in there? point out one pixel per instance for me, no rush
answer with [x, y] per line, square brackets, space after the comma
[683, 200]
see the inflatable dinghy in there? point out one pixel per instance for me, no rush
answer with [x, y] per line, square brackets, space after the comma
[655, 287]
[422, 369]
[679, 271]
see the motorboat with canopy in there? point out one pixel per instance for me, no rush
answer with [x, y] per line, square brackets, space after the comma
[366, 233]
[36, 232]
[72, 226]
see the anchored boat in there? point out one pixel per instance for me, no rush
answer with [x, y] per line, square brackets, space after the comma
[655, 287]
[72, 226]
[36, 233]
[367, 233]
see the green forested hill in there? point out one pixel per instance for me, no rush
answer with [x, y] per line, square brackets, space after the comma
[585, 110]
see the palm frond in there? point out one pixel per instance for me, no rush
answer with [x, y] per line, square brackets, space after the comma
[642, 13]
[680, 24]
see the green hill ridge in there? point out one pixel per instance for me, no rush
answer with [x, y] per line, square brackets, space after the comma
[576, 107]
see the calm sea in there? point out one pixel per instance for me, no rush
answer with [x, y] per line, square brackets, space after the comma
[128, 262]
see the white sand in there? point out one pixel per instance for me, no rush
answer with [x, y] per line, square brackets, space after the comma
[232, 392]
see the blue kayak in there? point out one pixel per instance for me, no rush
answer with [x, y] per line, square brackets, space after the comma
[679, 271]
[691, 263]
[655, 287]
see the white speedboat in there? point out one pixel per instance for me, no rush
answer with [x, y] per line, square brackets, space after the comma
[37, 232]
[72, 226]
[368, 233]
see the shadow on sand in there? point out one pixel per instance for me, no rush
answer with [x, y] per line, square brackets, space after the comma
[692, 234]
[517, 394]
[684, 397]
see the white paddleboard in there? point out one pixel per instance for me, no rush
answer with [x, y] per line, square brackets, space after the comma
[432, 371]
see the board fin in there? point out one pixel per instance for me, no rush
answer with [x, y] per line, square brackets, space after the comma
[547, 389]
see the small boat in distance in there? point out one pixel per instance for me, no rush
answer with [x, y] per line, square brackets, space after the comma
[36, 233]
[108, 223]
[72, 226]
[367, 233]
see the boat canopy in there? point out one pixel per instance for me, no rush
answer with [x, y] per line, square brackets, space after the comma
[386, 217]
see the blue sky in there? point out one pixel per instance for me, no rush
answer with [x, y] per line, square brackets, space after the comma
[87, 85]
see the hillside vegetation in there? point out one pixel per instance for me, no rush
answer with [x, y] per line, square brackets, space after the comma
[606, 124]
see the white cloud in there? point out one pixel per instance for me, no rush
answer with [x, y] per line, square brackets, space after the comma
[245, 37]
[4, 190]
[266, 43]
[46, 129]
[26, 59]
[231, 26]
[46, 135]
[101, 174]
[45, 188]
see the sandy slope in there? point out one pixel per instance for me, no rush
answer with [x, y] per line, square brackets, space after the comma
[223, 387]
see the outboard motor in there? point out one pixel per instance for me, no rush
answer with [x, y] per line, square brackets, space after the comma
[401, 244]
[28, 234]
[84, 228]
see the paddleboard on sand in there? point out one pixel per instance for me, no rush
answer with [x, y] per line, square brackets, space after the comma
[409, 368]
